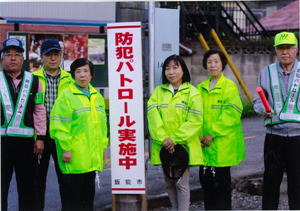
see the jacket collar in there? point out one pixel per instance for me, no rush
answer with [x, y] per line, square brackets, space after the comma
[20, 76]
[281, 71]
[41, 73]
[183, 87]
[218, 85]
[75, 90]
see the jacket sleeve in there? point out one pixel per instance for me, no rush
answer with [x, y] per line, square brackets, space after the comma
[104, 125]
[61, 122]
[193, 124]
[39, 114]
[155, 123]
[231, 111]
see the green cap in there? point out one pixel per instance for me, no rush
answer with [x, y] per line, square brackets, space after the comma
[285, 38]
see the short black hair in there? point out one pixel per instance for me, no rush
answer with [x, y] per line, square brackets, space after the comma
[177, 60]
[211, 52]
[79, 63]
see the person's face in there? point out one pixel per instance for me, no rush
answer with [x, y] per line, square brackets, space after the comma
[174, 73]
[12, 60]
[214, 65]
[83, 76]
[51, 60]
[286, 54]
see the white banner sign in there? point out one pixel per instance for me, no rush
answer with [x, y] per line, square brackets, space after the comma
[126, 108]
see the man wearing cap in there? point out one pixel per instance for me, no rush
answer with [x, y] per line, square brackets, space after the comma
[54, 80]
[281, 82]
[23, 117]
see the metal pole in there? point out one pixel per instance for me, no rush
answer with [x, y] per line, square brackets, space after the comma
[203, 42]
[151, 44]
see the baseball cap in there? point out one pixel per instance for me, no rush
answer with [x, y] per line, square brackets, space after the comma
[285, 38]
[12, 42]
[49, 45]
[174, 164]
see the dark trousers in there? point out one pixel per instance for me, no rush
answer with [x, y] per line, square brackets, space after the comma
[79, 191]
[42, 171]
[281, 154]
[216, 185]
[17, 155]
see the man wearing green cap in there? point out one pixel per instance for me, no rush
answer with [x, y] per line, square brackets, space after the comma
[281, 82]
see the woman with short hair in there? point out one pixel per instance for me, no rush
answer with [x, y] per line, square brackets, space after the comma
[222, 137]
[78, 125]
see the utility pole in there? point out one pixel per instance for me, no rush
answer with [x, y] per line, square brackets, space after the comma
[151, 16]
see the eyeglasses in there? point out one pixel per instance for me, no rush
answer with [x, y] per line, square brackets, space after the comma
[10, 55]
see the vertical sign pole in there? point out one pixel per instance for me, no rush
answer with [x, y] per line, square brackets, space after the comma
[126, 114]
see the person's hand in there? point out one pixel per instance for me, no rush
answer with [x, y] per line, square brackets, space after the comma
[206, 141]
[38, 148]
[169, 145]
[268, 114]
[201, 139]
[67, 156]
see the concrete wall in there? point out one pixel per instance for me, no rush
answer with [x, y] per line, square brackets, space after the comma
[248, 66]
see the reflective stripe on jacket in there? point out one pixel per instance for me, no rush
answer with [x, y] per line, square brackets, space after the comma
[222, 120]
[178, 117]
[78, 124]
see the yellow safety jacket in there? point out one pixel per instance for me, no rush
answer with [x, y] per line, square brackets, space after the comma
[176, 116]
[64, 81]
[78, 124]
[222, 120]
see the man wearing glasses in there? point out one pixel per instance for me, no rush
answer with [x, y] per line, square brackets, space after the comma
[23, 117]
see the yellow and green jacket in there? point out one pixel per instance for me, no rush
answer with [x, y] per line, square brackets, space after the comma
[176, 116]
[78, 124]
[222, 120]
[64, 81]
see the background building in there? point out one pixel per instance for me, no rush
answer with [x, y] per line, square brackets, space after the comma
[245, 28]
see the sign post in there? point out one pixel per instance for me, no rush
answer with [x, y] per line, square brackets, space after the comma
[166, 39]
[126, 114]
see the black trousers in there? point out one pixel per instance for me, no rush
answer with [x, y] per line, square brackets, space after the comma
[216, 184]
[281, 154]
[42, 171]
[79, 191]
[17, 155]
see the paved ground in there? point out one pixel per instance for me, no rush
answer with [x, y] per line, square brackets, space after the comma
[254, 138]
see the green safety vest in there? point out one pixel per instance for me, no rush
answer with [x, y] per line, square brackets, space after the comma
[14, 116]
[284, 110]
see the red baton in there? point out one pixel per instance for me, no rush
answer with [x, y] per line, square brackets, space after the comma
[263, 99]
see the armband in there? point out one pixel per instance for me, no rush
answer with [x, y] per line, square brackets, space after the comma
[39, 98]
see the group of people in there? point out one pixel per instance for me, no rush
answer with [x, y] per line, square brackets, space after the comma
[50, 112]
[54, 112]
[205, 121]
